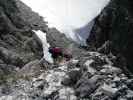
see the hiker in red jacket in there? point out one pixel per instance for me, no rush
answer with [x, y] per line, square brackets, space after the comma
[59, 54]
[56, 52]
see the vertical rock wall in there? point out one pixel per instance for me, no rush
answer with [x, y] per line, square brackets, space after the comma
[115, 25]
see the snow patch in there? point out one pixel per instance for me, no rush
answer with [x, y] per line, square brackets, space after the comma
[42, 37]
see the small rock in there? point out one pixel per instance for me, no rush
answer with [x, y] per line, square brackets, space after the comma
[111, 70]
[108, 90]
[74, 76]
[89, 68]
[67, 94]
[39, 84]
[129, 94]
[116, 79]
[85, 87]
[88, 62]
[1, 61]
[74, 61]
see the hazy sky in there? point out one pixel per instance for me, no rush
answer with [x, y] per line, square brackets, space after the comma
[67, 15]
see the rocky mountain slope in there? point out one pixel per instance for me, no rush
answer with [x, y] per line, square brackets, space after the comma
[113, 31]
[89, 77]
[18, 44]
[25, 75]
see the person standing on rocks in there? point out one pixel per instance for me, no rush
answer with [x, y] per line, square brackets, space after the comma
[60, 55]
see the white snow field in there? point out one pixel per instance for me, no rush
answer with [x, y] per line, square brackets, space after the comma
[72, 17]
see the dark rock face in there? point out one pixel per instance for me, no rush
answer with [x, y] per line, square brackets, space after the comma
[115, 25]
[18, 44]
[55, 38]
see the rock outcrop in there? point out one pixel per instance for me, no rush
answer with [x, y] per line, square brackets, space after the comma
[18, 44]
[115, 25]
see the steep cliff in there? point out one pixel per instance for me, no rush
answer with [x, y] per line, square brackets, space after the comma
[113, 31]
[18, 44]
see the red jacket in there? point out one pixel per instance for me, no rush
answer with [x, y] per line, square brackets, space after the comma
[55, 50]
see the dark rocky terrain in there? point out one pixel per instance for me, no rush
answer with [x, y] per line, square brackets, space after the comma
[90, 77]
[25, 75]
[18, 44]
[113, 32]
